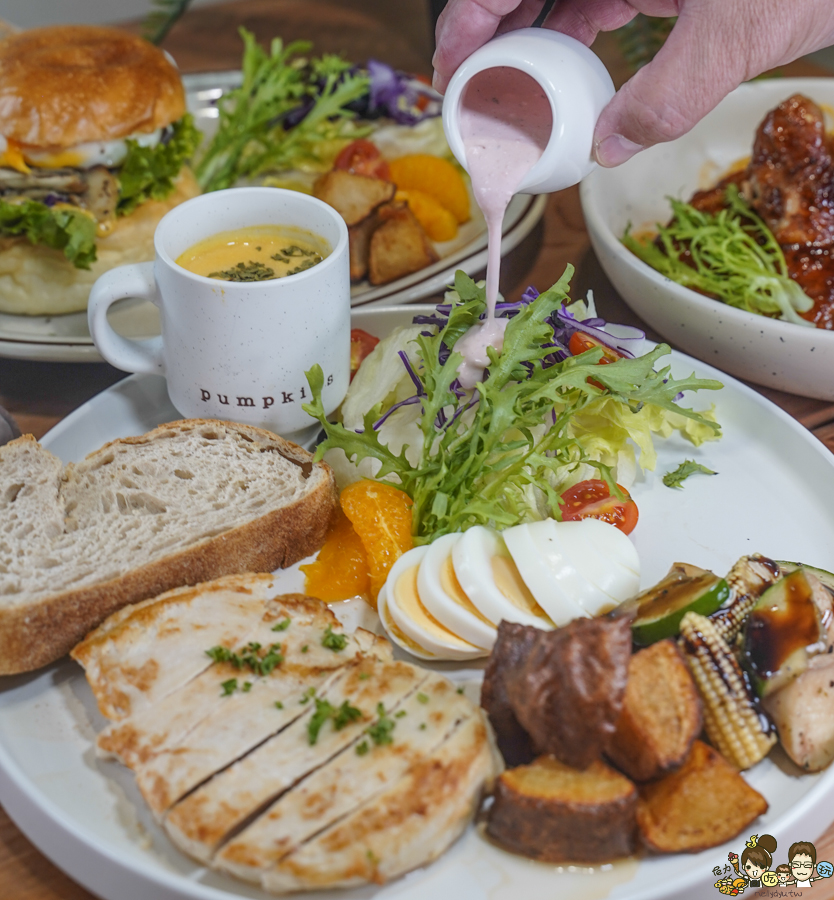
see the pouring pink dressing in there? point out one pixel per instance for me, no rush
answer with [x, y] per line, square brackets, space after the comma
[505, 122]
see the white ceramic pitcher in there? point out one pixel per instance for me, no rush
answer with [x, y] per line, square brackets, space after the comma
[576, 83]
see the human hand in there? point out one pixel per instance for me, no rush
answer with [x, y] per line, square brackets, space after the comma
[714, 46]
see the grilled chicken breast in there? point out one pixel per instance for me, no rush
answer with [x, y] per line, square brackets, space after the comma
[279, 749]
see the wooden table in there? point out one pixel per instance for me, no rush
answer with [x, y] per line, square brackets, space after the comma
[40, 394]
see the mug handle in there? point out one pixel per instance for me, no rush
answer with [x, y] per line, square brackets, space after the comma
[143, 356]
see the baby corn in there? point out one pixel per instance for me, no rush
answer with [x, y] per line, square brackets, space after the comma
[732, 722]
[747, 579]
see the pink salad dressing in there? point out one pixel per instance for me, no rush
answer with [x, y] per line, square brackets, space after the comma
[505, 122]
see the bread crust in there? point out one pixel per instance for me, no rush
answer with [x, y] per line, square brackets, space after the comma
[69, 84]
[35, 635]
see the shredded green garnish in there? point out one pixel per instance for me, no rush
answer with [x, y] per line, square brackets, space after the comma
[362, 748]
[283, 625]
[260, 665]
[688, 467]
[380, 731]
[422, 726]
[460, 690]
[364, 676]
[310, 692]
[229, 687]
[399, 714]
[734, 258]
[247, 686]
[305, 648]
[251, 138]
[422, 698]
[478, 469]
[334, 641]
[279, 704]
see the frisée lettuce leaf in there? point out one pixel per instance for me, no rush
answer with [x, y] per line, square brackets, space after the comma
[504, 452]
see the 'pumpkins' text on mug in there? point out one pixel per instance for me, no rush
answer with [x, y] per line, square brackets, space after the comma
[237, 347]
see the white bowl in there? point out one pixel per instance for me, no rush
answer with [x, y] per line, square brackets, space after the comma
[766, 351]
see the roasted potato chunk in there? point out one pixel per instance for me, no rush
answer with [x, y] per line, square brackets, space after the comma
[661, 714]
[354, 197]
[359, 245]
[399, 246]
[568, 693]
[554, 813]
[701, 805]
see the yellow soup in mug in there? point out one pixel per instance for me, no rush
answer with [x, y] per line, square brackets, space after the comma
[256, 253]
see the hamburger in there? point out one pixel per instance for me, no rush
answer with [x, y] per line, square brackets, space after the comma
[94, 140]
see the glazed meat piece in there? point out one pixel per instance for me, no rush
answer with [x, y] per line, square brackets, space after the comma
[791, 178]
[508, 654]
[568, 692]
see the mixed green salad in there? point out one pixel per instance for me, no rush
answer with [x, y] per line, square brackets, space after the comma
[541, 419]
[295, 111]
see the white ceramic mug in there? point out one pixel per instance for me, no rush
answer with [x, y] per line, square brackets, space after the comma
[575, 82]
[238, 350]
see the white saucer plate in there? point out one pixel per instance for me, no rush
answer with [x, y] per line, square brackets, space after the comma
[774, 494]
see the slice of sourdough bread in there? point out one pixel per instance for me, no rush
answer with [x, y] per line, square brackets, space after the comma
[185, 503]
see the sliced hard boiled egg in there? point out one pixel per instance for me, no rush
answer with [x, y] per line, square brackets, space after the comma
[94, 153]
[442, 595]
[604, 555]
[412, 618]
[491, 580]
[403, 642]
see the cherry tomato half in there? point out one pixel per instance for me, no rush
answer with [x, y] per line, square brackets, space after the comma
[592, 500]
[580, 343]
[363, 158]
[361, 344]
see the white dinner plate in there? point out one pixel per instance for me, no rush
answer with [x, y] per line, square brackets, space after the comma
[774, 493]
[67, 338]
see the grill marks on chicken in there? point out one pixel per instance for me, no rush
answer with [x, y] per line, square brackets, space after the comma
[336, 767]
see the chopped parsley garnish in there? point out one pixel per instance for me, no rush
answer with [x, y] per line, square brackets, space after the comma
[310, 692]
[245, 271]
[247, 686]
[279, 704]
[334, 641]
[305, 648]
[400, 714]
[364, 676]
[362, 748]
[688, 467]
[422, 698]
[283, 625]
[260, 665]
[422, 726]
[380, 731]
[229, 687]
[325, 711]
[460, 690]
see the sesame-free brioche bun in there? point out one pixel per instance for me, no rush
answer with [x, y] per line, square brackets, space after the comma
[38, 281]
[70, 84]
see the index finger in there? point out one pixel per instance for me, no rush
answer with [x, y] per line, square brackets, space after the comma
[463, 27]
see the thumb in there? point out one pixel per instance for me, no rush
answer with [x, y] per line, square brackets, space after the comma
[692, 73]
